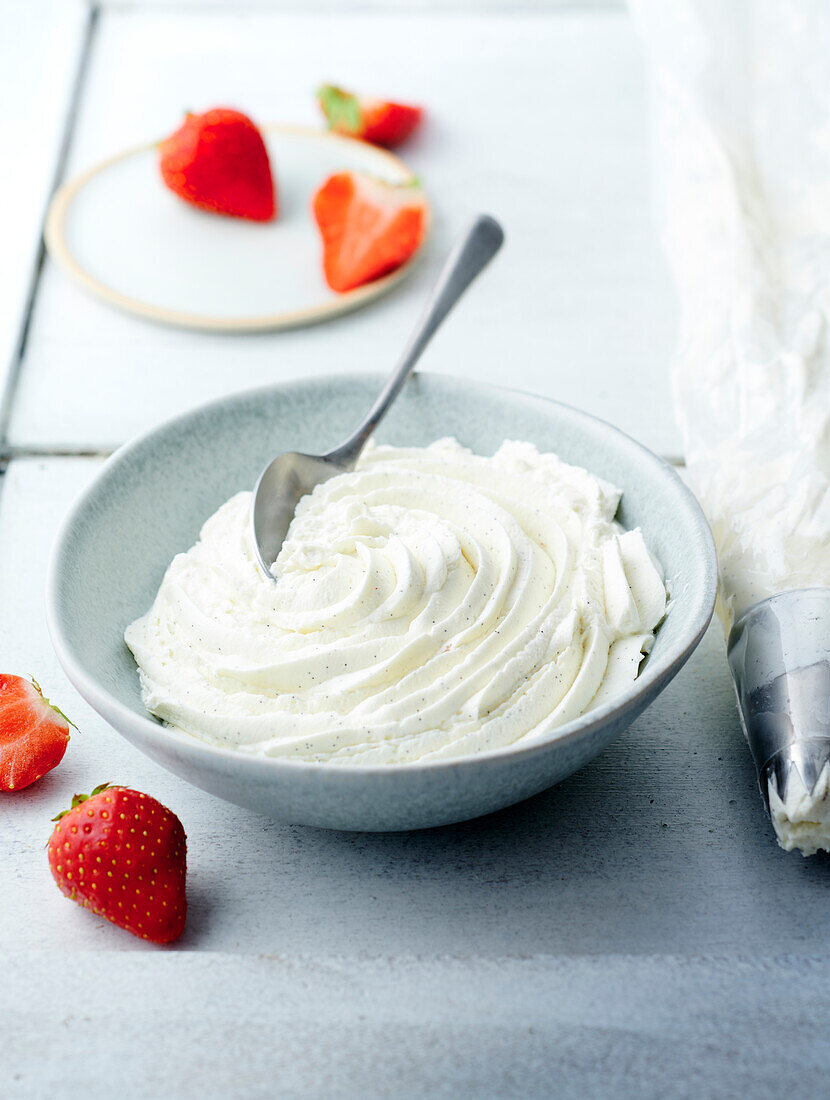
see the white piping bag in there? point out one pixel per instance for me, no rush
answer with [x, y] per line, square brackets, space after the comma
[741, 114]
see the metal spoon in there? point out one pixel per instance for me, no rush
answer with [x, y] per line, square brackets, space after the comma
[291, 475]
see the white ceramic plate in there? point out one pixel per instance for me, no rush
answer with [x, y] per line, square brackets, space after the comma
[126, 238]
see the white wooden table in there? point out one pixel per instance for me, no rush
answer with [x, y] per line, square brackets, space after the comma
[633, 932]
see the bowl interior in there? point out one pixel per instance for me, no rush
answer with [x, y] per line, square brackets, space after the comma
[151, 499]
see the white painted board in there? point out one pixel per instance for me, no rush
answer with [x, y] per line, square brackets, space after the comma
[539, 119]
[360, 1028]
[40, 48]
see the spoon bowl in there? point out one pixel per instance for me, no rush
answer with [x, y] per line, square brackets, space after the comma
[278, 491]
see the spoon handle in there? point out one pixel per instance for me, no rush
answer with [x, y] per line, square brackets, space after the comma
[469, 257]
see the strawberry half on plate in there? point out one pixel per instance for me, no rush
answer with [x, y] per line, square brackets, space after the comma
[369, 227]
[376, 120]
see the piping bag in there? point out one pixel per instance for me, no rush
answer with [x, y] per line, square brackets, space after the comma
[740, 96]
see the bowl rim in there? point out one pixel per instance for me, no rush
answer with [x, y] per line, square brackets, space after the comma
[151, 730]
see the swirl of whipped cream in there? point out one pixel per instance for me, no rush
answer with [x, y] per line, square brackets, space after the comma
[430, 604]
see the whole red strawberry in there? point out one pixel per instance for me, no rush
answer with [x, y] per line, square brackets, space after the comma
[376, 120]
[33, 733]
[123, 855]
[218, 162]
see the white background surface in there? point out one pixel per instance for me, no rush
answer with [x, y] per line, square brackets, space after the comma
[633, 932]
[578, 307]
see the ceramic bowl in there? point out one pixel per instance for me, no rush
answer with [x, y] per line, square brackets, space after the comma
[150, 500]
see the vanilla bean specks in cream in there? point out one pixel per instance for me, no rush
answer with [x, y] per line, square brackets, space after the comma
[430, 604]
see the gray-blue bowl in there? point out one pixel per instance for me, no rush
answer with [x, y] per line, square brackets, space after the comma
[150, 500]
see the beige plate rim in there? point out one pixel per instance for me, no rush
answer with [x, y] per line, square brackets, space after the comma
[55, 239]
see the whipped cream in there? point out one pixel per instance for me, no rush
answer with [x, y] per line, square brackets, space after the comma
[802, 818]
[430, 604]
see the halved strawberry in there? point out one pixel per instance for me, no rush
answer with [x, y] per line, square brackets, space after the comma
[218, 162]
[375, 120]
[33, 733]
[368, 227]
[123, 855]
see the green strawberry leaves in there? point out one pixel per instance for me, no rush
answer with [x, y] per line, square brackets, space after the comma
[77, 799]
[341, 109]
